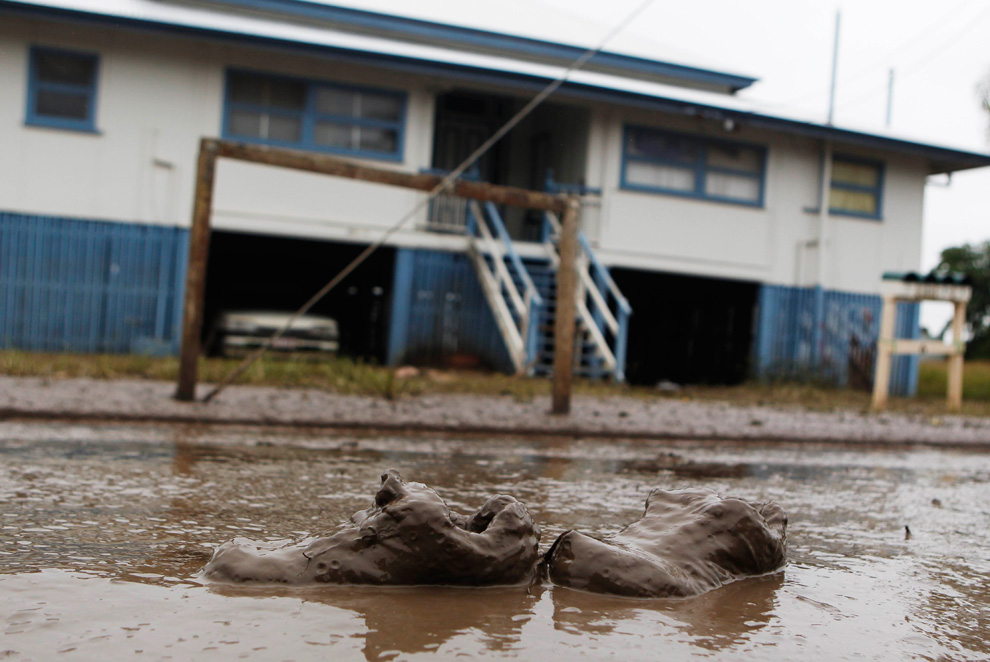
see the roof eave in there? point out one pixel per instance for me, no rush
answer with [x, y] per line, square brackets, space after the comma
[484, 41]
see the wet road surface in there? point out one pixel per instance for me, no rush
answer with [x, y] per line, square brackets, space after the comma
[104, 528]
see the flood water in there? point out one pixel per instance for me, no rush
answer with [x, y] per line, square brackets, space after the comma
[103, 530]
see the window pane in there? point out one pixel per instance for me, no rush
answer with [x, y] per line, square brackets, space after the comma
[381, 107]
[858, 202]
[858, 174]
[284, 129]
[246, 124]
[660, 146]
[287, 94]
[267, 91]
[65, 68]
[330, 134]
[379, 140]
[247, 89]
[737, 158]
[334, 101]
[68, 105]
[660, 176]
[734, 187]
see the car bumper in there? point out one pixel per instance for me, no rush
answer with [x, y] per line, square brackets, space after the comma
[285, 344]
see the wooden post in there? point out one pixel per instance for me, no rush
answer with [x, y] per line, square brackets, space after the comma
[199, 248]
[885, 348]
[563, 332]
[955, 387]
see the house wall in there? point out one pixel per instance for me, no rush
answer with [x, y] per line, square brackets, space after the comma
[157, 96]
[774, 243]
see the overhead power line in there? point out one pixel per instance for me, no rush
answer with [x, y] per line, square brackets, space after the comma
[884, 61]
[927, 58]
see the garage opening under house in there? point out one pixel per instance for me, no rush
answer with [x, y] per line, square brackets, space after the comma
[701, 216]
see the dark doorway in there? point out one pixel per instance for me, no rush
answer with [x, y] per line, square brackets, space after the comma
[464, 121]
[554, 138]
[687, 329]
[262, 272]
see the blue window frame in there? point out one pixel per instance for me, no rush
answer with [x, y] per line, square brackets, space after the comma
[856, 188]
[62, 89]
[314, 115]
[693, 166]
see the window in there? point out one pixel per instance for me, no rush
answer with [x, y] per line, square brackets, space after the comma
[62, 89]
[662, 162]
[857, 187]
[314, 115]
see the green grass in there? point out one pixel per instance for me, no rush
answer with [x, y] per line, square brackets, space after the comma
[346, 376]
[976, 380]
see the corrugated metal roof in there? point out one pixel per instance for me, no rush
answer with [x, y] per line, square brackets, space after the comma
[212, 21]
[472, 40]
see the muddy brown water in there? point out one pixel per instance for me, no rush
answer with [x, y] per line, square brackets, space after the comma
[103, 531]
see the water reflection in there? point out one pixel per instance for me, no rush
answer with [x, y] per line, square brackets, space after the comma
[714, 621]
[408, 620]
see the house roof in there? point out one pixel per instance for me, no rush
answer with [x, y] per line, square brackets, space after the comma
[525, 64]
[484, 41]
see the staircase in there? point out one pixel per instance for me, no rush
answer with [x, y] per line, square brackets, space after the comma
[523, 296]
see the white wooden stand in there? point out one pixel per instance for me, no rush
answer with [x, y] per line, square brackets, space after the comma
[895, 291]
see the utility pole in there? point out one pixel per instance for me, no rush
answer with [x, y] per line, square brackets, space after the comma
[890, 96]
[835, 68]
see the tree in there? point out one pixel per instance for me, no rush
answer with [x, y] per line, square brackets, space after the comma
[973, 260]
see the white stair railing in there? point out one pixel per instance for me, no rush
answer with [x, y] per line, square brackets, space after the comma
[501, 291]
[613, 359]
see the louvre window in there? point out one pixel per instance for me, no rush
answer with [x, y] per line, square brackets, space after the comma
[62, 89]
[314, 115]
[857, 187]
[692, 166]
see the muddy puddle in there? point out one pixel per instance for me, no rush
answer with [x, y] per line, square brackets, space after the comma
[103, 530]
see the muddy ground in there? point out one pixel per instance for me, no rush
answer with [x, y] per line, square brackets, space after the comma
[618, 417]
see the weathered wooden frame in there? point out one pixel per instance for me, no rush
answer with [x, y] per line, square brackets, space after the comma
[894, 292]
[211, 149]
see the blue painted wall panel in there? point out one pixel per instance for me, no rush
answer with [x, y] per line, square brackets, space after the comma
[442, 312]
[828, 336]
[90, 286]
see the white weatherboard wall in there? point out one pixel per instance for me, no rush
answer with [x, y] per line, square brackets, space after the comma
[774, 244]
[156, 97]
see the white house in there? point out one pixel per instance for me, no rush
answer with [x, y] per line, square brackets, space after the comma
[705, 213]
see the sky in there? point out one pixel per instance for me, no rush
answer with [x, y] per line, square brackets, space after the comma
[939, 53]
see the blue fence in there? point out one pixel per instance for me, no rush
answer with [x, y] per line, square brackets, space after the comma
[811, 333]
[439, 312]
[90, 286]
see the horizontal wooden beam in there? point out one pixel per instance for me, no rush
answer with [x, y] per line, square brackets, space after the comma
[926, 347]
[338, 167]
